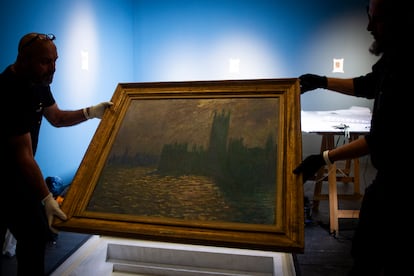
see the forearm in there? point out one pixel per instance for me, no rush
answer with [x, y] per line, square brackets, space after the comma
[343, 86]
[23, 159]
[69, 118]
[62, 118]
[33, 176]
[354, 149]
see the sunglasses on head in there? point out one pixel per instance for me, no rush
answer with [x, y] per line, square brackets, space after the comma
[50, 37]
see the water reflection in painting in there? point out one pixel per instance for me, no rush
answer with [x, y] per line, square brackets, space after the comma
[209, 160]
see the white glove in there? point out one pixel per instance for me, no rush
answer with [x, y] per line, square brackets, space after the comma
[96, 111]
[52, 209]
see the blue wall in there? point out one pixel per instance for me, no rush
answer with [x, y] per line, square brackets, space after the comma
[176, 40]
[100, 27]
[193, 39]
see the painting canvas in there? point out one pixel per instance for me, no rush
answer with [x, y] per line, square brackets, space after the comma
[205, 162]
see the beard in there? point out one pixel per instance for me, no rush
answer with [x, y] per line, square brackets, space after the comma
[43, 80]
[376, 48]
[47, 80]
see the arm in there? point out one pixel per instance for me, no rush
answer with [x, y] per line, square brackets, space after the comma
[310, 82]
[343, 86]
[22, 157]
[311, 164]
[352, 150]
[63, 118]
[21, 147]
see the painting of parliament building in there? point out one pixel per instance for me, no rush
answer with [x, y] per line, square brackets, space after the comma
[242, 177]
[200, 162]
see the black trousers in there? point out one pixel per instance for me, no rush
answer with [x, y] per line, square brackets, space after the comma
[382, 229]
[24, 215]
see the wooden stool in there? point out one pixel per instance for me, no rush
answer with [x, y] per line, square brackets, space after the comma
[335, 175]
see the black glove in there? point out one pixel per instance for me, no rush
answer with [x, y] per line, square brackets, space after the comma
[309, 166]
[310, 82]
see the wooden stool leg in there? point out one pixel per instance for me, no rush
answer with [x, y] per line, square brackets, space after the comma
[333, 200]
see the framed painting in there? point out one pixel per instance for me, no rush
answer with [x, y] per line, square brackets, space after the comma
[200, 162]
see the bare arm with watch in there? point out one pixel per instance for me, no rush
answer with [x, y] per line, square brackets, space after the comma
[311, 164]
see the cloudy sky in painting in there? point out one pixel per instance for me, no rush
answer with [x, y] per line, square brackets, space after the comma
[151, 123]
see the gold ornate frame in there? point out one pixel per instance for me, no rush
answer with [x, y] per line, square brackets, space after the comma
[199, 162]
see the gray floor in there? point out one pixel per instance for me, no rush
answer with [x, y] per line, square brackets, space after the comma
[328, 254]
[56, 253]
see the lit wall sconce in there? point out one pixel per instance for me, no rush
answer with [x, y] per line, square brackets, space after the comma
[85, 60]
[338, 65]
[234, 64]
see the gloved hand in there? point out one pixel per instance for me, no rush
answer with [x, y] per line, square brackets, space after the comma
[52, 209]
[310, 82]
[309, 166]
[96, 111]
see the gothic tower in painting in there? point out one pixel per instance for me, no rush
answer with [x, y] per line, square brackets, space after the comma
[217, 149]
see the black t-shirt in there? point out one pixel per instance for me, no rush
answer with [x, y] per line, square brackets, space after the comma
[23, 107]
[388, 84]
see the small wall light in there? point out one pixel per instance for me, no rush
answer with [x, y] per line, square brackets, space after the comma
[338, 65]
[234, 64]
[84, 60]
